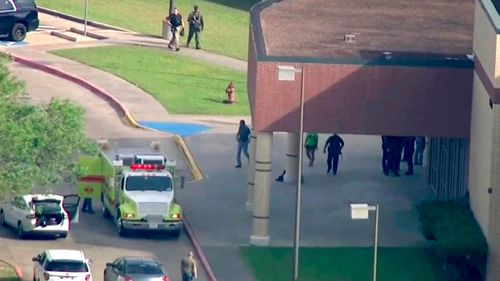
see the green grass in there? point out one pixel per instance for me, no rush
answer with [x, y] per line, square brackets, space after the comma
[7, 273]
[343, 264]
[182, 85]
[226, 21]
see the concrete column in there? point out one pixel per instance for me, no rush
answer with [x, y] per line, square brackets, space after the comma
[292, 158]
[251, 170]
[263, 158]
[493, 234]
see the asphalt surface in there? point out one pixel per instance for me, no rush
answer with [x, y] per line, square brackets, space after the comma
[93, 234]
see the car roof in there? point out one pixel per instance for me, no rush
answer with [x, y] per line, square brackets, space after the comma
[65, 255]
[138, 259]
[40, 197]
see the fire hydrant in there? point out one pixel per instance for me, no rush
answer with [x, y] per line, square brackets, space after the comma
[230, 93]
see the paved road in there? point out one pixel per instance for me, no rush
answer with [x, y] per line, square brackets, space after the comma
[94, 235]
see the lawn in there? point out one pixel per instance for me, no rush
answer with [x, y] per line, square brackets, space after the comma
[7, 273]
[227, 21]
[182, 85]
[343, 264]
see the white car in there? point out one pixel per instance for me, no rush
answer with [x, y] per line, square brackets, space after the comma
[40, 214]
[61, 265]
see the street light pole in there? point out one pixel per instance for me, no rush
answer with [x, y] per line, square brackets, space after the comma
[299, 182]
[86, 15]
[171, 7]
[376, 245]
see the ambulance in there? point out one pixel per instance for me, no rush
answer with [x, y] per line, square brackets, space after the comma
[136, 188]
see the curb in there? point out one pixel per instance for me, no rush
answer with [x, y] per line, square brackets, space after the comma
[193, 166]
[80, 20]
[198, 250]
[63, 36]
[115, 103]
[17, 270]
[89, 34]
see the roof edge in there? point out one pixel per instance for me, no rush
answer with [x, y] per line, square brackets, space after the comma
[491, 12]
[437, 63]
[256, 27]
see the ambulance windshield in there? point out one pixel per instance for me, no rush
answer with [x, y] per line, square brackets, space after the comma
[148, 183]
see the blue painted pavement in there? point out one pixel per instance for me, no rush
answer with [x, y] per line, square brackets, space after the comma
[182, 129]
[13, 44]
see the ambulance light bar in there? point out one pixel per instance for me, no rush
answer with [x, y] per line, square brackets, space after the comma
[146, 167]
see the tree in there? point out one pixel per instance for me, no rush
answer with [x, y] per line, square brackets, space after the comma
[39, 143]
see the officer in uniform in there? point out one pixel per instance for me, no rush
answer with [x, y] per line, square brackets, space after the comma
[334, 144]
[385, 155]
[408, 150]
[196, 26]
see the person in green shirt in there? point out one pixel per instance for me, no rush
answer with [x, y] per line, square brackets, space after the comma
[311, 145]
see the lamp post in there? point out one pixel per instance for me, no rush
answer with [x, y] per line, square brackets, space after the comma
[85, 19]
[287, 73]
[360, 211]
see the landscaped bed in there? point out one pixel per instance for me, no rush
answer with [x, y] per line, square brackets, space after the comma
[226, 21]
[7, 273]
[182, 85]
[343, 264]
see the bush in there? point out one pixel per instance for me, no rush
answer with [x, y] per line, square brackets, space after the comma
[457, 235]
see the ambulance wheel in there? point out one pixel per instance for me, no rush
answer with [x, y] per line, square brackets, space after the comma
[119, 224]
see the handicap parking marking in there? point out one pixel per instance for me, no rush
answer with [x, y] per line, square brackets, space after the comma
[10, 44]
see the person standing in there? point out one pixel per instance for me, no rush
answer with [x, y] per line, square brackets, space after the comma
[87, 205]
[408, 150]
[395, 146]
[385, 156]
[334, 144]
[196, 26]
[176, 26]
[243, 138]
[311, 145]
[188, 268]
[419, 150]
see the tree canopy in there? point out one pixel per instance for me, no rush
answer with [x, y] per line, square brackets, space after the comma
[39, 143]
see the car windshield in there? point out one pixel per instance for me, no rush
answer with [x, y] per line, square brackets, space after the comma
[67, 266]
[143, 267]
[145, 183]
[25, 4]
[47, 206]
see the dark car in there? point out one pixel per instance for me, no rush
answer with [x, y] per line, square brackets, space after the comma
[17, 17]
[134, 269]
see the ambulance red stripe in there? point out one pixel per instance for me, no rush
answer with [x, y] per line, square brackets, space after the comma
[92, 179]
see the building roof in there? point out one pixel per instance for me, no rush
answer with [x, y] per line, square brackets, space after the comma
[418, 29]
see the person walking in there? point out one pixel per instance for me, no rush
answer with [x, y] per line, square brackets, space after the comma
[395, 146]
[385, 155]
[196, 26]
[419, 150]
[243, 138]
[188, 268]
[177, 27]
[311, 145]
[408, 150]
[334, 144]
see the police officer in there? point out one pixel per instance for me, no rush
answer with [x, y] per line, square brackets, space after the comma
[334, 144]
[395, 146]
[196, 26]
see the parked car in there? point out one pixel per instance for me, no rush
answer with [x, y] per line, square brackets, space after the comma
[17, 17]
[57, 265]
[134, 269]
[40, 214]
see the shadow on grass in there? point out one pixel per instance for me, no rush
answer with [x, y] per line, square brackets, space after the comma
[244, 5]
[214, 100]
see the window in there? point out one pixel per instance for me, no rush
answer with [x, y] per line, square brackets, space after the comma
[118, 265]
[47, 207]
[6, 5]
[145, 183]
[25, 4]
[66, 266]
[143, 267]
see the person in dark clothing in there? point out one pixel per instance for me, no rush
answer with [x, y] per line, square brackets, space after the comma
[409, 149]
[243, 138]
[334, 144]
[176, 26]
[196, 26]
[87, 206]
[385, 156]
[395, 146]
